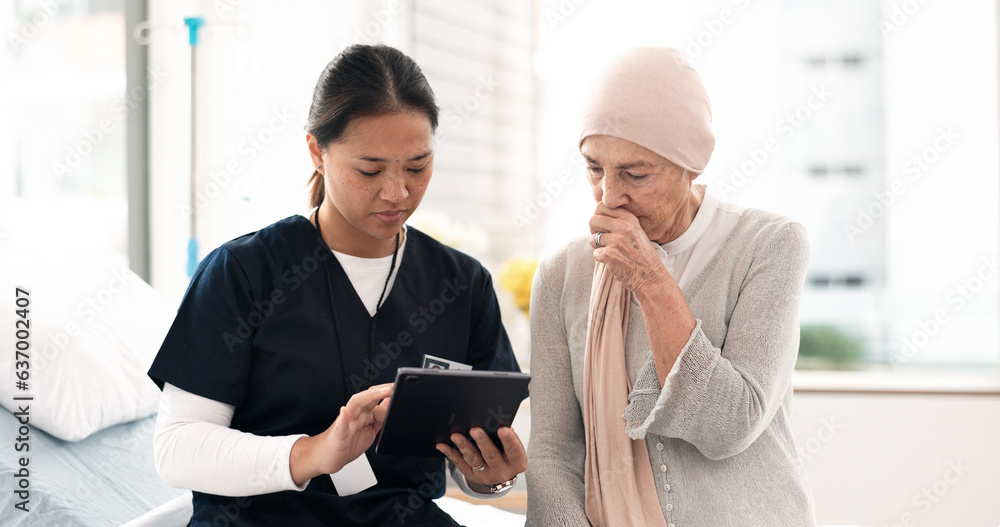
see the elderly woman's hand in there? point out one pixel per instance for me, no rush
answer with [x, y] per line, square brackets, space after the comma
[626, 249]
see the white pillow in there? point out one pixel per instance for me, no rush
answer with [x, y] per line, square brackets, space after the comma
[95, 328]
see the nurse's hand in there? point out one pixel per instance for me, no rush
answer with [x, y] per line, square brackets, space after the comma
[497, 466]
[350, 435]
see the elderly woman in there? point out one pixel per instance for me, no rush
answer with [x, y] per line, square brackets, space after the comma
[663, 345]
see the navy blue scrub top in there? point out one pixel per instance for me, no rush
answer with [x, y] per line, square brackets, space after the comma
[255, 331]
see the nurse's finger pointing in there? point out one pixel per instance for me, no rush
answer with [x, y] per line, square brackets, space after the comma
[382, 386]
[368, 399]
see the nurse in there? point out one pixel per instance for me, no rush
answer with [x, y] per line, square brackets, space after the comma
[277, 370]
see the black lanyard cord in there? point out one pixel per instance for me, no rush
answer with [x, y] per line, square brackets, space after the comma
[370, 374]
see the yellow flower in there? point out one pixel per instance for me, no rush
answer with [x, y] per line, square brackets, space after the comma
[515, 277]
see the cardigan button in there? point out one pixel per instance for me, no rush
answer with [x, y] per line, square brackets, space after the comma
[666, 487]
[669, 507]
[659, 446]
[663, 468]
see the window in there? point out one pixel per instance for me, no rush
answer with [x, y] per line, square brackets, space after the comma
[62, 130]
[477, 58]
[887, 153]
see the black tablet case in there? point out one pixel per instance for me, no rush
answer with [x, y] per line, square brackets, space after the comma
[429, 405]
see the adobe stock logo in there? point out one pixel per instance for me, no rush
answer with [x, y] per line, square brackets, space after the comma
[419, 497]
[91, 139]
[901, 14]
[563, 11]
[453, 116]
[786, 126]
[47, 11]
[294, 277]
[916, 167]
[957, 298]
[252, 145]
[826, 432]
[928, 496]
[713, 30]
[420, 320]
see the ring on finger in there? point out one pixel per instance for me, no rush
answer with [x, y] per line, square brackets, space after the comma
[597, 239]
[481, 467]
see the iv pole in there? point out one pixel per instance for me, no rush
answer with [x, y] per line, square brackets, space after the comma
[193, 24]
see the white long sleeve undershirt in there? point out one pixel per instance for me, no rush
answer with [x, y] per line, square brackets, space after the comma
[195, 448]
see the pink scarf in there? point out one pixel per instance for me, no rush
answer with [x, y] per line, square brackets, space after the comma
[618, 478]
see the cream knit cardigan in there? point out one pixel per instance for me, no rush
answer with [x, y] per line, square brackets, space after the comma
[718, 436]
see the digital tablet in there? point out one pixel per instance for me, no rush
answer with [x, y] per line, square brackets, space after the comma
[429, 405]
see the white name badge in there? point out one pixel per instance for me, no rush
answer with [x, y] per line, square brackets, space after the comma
[355, 477]
[437, 363]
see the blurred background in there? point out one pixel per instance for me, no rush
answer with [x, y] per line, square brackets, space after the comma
[872, 122]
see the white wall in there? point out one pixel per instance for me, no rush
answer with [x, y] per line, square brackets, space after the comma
[870, 458]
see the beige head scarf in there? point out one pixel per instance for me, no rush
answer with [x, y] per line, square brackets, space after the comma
[655, 99]
[651, 97]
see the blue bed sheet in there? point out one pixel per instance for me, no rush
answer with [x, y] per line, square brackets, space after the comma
[103, 481]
